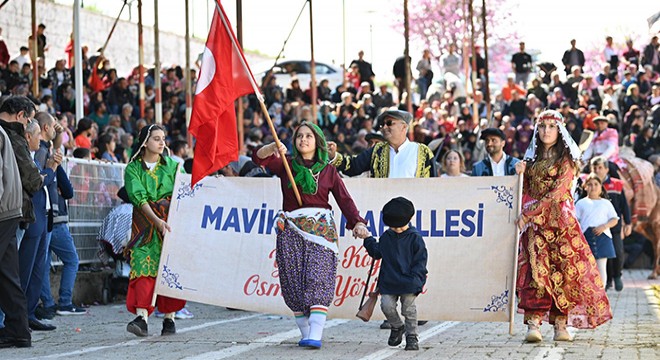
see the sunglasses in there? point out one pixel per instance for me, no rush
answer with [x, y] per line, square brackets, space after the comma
[389, 122]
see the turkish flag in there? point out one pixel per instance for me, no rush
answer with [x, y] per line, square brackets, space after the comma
[224, 77]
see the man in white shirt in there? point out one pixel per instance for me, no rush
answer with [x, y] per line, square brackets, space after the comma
[397, 157]
[497, 162]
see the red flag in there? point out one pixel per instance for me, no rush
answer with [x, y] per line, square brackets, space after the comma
[95, 81]
[224, 77]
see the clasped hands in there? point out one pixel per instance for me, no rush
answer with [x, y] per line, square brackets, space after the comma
[360, 231]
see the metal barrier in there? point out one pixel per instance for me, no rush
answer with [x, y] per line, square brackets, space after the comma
[95, 186]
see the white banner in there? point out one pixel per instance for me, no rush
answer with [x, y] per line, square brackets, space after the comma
[221, 250]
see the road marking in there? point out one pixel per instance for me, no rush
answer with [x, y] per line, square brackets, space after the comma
[385, 353]
[258, 343]
[136, 342]
[550, 353]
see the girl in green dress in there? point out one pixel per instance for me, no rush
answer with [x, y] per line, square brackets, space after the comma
[149, 180]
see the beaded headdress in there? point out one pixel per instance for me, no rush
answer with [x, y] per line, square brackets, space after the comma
[569, 143]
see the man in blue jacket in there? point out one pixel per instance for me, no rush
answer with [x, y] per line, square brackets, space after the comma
[497, 162]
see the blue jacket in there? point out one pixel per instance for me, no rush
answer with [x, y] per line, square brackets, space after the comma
[65, 193]
[39, 204]
[484, 167]
[403, 268]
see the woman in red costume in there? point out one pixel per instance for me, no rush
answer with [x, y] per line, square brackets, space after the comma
[557, 274]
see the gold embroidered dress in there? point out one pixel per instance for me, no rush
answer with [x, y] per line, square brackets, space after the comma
[556, 271]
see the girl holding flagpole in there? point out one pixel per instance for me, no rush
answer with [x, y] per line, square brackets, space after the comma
[149, 180]
[557, 274]
[307, 248]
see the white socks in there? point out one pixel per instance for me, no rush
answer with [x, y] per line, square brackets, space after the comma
[303, 324]
[602, 269]
[317, 316]
[170, 315]
[142, 312]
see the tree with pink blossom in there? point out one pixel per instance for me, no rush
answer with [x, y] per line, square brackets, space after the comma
[438, 23]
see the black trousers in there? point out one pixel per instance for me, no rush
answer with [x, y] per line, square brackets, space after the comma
[12, 298]
[615, 265]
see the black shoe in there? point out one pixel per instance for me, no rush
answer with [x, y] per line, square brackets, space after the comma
[385, 325]
[37, 325]
[618, 283]
[412, 343]
[138, 327]
[47, 313]
[168, 327]
[396, 335]
[8, 342]
[422, 322]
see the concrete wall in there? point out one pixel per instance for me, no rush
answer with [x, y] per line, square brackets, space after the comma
[122, 50]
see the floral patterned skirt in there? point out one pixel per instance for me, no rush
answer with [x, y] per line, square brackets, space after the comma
[306, 258]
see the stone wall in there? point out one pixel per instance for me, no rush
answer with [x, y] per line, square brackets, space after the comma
[122, 50]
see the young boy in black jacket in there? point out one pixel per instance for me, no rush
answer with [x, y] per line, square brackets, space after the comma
[402, 270]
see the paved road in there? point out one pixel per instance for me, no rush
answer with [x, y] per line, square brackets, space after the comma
[217, 333]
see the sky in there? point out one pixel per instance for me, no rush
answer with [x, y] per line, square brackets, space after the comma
[545, 26]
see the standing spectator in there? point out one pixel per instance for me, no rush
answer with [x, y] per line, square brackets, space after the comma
[451, 62]
[651, 55]
[366, 72]
[496, 163]
[33, 247]
[617, 196]
[425, 73]
[42, 46]
[61, 243]
[399, 245]
[551, 241]
[16, 332]
[610, 54]
[401, 74]
[521, 63]
[572, 57]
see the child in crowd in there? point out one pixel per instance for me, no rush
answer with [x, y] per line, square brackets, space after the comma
[596, 215]
[402, 270]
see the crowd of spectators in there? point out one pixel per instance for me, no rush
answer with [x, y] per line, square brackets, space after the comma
[626, 91]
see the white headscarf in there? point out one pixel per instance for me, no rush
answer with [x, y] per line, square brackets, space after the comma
[569, 143]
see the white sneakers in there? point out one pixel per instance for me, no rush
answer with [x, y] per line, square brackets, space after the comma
[561, 334]
[534, 333]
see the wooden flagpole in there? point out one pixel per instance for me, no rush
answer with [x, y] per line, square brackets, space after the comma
[287, 168]
[512, 295]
